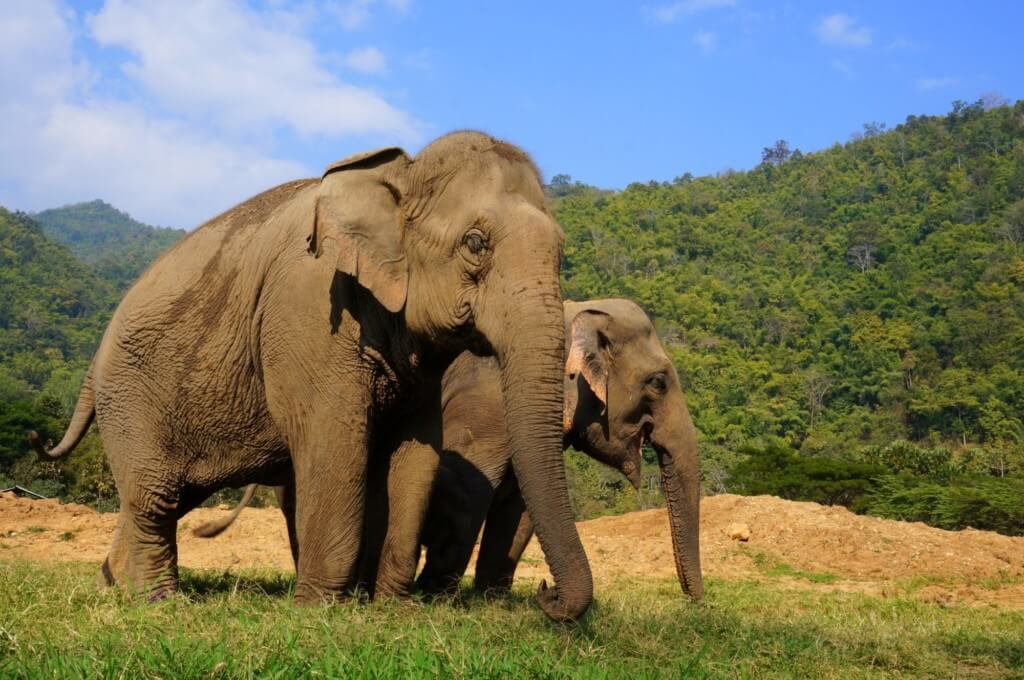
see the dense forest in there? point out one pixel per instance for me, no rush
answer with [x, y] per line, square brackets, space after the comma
[53, 309]
[118, 246]
[862, 304]
[848, 324]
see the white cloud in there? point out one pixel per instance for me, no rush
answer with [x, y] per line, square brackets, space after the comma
[241, 67]
[936, 83]
[36, 58]
[666, 14]
[157, 169]
[842, 30]
[706, 41]
[355, 14]
[191, 149]
[367, 60]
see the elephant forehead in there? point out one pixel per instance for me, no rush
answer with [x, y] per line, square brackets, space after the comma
[480, 179]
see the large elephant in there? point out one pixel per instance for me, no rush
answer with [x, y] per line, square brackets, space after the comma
[272, 344]
[621, 390]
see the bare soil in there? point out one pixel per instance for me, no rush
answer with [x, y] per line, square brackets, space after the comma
[798, 545]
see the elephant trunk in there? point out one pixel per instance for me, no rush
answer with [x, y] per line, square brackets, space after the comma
[675, 442]
[532, 367]
[532, 385]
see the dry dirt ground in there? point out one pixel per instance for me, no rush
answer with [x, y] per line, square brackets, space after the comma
[798, 545]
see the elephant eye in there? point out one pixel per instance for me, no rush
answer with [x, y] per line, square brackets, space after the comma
[657, 383]
[475, 242]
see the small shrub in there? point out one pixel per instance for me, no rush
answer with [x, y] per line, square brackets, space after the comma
[990, 503]
[904, 457]
[778, 471]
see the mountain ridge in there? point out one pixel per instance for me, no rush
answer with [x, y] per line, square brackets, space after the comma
[119, 246]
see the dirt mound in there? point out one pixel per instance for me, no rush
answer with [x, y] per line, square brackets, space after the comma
[803, 545]
[812, 546]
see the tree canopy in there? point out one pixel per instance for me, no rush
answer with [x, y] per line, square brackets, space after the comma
[828, 302]
[99, 234]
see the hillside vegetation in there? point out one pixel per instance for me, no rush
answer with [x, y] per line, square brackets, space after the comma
[99, 234]
[862, 306]
[848, 324]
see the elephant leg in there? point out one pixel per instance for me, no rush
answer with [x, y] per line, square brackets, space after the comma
[448, 557]
[507, 533]
[115, 566]
[458, 508]
[330, 492]
[286, 501]
[375, 525]
[409, 482]
[144, 554]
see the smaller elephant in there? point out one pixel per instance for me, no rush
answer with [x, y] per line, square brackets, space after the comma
[621, 390]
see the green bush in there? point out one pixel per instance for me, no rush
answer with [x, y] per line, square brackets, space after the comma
[991, 503]
[904, 457]
[901, 481]
[778, 471]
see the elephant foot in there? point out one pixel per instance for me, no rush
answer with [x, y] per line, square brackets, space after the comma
[160, 594]
[437, 586]
[311, 595]
[497, 588]
[107, 578]
[393, 591]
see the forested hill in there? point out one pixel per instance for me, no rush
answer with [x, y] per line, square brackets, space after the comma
[51, 304]
[53, 309]
[863, 294]
[99, 234]
[848, 324]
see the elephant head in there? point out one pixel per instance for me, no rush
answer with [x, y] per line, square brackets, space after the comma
[459, 242]
[621, 390]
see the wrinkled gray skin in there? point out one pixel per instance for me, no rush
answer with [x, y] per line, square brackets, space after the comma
[272, 344]
[621, 390]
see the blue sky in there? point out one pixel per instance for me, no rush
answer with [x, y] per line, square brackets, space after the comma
[174, 111]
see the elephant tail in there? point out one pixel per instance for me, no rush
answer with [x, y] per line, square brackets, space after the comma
[217, 526]
[82, 418]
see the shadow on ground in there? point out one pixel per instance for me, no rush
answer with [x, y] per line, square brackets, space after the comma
[203, 583]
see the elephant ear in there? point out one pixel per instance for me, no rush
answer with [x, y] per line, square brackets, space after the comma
[588, 356]
[358, 207]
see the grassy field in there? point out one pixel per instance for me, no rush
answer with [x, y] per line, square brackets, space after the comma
[55, 623]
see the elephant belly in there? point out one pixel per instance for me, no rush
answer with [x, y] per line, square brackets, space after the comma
[221, 433]
[194, 411]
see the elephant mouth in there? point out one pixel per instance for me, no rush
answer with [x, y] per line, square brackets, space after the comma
[467, 336]
[635, 447]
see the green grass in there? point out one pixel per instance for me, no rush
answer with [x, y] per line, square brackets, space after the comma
[783, 569]
[55, 623]
[770, 567]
